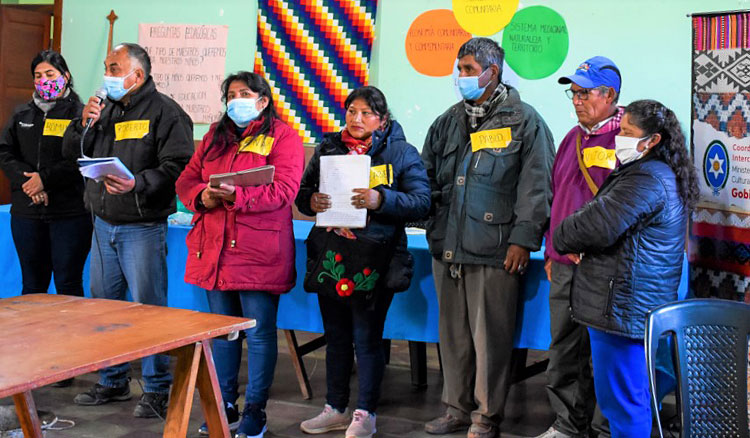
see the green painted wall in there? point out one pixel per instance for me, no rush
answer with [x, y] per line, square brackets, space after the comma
[650, 40]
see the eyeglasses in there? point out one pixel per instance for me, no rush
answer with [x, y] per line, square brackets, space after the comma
[581, 94]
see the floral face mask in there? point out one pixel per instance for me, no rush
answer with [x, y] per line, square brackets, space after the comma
[50, 89]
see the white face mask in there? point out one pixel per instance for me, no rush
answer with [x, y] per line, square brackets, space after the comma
[626, 148]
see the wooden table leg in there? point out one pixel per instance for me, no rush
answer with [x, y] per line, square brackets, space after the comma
[183, 388]
[26, 411]
[299, 365]
[211, 401]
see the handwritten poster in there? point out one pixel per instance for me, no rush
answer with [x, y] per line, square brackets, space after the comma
[187, 64]
[433, 41]
[536, 42]
[484, 17]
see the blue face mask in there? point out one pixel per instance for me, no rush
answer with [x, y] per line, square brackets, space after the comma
[115, 86]
[469, 86]
[242, 111]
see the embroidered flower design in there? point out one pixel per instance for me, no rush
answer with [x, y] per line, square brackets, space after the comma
[345, 287]
[333, 268]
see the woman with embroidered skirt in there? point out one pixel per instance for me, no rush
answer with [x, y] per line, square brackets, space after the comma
[241, 247]
[356, 271]
[49, 223]
[629, 243]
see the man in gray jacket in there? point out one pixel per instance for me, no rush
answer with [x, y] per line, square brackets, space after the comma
[489, 160]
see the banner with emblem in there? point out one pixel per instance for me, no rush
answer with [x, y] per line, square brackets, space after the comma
[719, 246]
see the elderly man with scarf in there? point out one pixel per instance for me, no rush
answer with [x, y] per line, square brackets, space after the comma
[489, 160]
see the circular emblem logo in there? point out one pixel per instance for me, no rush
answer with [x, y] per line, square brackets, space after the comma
[716, 166]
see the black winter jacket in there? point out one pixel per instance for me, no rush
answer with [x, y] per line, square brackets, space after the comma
[32, 142]
[632, 235]
[153, 137]
[406, 199]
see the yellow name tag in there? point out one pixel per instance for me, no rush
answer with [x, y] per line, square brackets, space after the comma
[261, 145]
[491, 139]
[133, 129]
[382, 174]
[600, 157]
[55, 127]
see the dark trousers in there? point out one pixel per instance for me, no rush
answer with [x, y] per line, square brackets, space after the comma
[570, 384]
[47, 246]
[351, 326]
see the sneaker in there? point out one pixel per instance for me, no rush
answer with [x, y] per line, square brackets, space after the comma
[62, 383]
[328, 420]
[553, 433]
[363, 425]
[253, 423]
[98, 395]
[233, 418]
[445, 424]
[152, 405]
[479, 430]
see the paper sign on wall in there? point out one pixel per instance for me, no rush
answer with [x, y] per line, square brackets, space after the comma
[187, 64]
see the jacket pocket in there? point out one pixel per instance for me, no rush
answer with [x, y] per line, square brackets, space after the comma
[256, 241]
[488, 217]
[194, 238]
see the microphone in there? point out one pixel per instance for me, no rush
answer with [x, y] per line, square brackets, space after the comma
[101, 93]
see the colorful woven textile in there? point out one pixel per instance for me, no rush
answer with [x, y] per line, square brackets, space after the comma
[721, 32]
[314, 53]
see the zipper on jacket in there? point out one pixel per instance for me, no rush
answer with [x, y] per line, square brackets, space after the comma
[611, 290]
[138, 205]
[39, 144]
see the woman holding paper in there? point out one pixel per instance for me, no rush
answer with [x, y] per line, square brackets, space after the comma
[354, 307]
[241, 247]
[49, 223]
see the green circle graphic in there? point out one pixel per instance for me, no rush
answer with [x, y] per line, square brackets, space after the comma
[536, 42]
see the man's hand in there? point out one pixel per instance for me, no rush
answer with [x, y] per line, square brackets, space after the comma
[516, 259]
[40, 198]
[34, 184]
[548, 269]
[118, 186]
[92, 110]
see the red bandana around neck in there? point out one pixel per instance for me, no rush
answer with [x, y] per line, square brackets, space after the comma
[355, 145]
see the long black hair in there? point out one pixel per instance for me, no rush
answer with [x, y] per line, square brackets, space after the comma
[55, 60]
[226, 133]
[654, 118]
[375, 99]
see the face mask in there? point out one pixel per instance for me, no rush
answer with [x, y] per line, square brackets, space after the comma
[115, 86]
[469, 86]
[242, 111]
[626, 148]
[50, 89]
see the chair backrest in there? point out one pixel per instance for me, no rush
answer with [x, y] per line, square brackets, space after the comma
[711, 353]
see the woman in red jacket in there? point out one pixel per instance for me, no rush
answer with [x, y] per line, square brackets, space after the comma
[241, 247]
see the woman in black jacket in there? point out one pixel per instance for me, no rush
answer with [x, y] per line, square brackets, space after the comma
[399, 192]
[50, 226]
[629, 243]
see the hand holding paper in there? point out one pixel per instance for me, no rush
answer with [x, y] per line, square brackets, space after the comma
[118, 186]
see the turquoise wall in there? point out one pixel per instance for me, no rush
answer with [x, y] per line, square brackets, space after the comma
[650, 40]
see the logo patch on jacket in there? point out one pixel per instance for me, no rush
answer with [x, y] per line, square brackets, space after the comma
[382, 174]
[25, 125]
[133, 129]
[600, 157]
[55, 127]
[491, 139]
[261, 145]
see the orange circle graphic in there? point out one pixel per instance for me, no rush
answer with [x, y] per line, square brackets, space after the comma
[433, 41]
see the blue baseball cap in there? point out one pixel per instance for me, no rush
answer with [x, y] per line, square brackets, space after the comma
[595, 72]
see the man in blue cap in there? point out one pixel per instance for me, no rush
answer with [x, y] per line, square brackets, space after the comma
[585, 157]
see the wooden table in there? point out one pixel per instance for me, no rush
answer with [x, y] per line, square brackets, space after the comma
[49, 338]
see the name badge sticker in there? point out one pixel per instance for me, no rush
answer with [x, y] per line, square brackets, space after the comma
[132, 130]
[55, 127]
[260, 145]
[382, 174]
[599, 156]
[491, 139]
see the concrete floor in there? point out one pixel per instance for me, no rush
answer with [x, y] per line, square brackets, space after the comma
[401, 414]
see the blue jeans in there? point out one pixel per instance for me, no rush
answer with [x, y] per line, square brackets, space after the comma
[45, 246]
[261, 344]
[132, 256]
[352, 326]
[621, 383]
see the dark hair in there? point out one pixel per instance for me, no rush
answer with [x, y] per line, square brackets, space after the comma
[139, 55]
[55, 60]
[225, 132]
[485, 51]
[654, 118]
[374, 98]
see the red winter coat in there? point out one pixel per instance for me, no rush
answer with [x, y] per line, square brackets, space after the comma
[248, 244]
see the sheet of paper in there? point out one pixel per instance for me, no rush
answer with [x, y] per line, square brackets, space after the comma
[339, 176]
[98, 168]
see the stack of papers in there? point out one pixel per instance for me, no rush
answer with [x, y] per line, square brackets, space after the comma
[339, 176]
[98, 168]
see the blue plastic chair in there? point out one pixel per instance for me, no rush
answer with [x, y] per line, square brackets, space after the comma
[710, 352]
